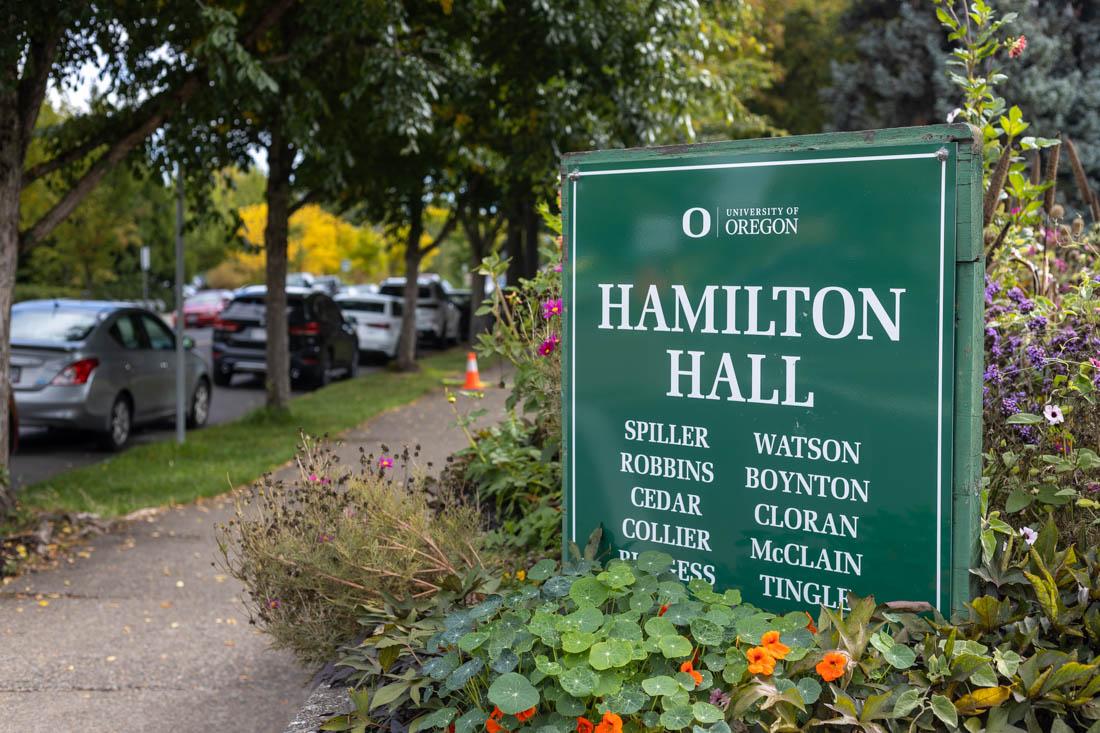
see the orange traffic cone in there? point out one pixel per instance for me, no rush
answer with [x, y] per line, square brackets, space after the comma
[473, 379]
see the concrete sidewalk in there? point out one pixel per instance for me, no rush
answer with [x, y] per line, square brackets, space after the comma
[141, 632]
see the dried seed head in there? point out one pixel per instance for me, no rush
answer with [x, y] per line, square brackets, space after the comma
[1063, 233]
[1057, 211]
[1078, 226]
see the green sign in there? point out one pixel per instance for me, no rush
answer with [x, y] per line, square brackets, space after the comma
[772, 362]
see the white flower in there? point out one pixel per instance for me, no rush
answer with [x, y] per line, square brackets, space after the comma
[1053, 414]
[953, 114]
[1029, 535]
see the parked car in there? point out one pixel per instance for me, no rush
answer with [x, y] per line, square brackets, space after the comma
[321, 340]
[328, 284]
[301, 280]
[13, 425]
[377, 321]
[203, 308]
[463, 300]
[437, 317]
[100, 366]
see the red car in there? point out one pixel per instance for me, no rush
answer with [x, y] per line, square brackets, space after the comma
[202, 309]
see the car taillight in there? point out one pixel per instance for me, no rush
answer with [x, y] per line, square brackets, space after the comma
[379, 325]
[231, 326]
[76, 373]
[309, 328]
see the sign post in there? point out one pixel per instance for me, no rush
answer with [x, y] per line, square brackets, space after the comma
[772, 364]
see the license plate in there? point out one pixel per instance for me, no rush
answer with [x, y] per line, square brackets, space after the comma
[16, 373]
[258, 334]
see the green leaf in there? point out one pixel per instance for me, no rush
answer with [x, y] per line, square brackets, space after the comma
[588, 591]
[945, 711]
[1018, 499]
[607, 654]
[677, 717]
[810, 689]
[388, 693]
[472, 641]
[513, 693]
[900, 656]
[706, 632]
[660, 685]
[659, 626]
[437, 719]
[906, 703]
[704, 712]
[578, 681]
[542, 570]
[1024, 418]
[466, 672]
[674, 646]
[653, 562]
[576, 642]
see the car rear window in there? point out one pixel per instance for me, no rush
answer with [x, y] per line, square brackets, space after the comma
[204, 298]
[362, 306]
[399, 291]
[60, 325]
[254, 307]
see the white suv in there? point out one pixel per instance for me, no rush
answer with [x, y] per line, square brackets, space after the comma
[436, 316]
[377, 321]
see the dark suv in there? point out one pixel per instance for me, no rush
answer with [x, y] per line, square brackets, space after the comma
[321, 340]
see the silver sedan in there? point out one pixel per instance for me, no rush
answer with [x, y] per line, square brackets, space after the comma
[100, 366]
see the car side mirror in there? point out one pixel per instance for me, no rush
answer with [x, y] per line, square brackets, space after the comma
[188, 343]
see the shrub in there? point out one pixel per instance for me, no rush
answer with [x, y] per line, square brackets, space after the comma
[312, 550]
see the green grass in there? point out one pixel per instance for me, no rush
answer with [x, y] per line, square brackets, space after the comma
[217, 458]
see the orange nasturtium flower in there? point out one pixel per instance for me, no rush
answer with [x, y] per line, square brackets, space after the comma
[760, 662]
[663, 610]
[775, 647]
[492, 726]
[584, 725]
[810, 624]
[832, 666]
[497, 713]
[525, 715]
[690, 669]
[611, 723]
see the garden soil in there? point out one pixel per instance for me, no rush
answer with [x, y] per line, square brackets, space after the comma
[139, 631]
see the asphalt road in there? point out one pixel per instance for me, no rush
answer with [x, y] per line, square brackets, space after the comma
[43, 453]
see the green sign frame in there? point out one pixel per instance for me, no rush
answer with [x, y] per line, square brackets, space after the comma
[871, 205]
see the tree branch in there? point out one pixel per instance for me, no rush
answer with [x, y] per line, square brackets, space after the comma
[448, 227]
[125, 144]
[309, 198]
[32, 85]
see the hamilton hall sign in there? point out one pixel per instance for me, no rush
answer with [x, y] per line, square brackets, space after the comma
[772, 362]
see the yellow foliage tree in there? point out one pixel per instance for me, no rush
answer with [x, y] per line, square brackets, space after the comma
[319, 242]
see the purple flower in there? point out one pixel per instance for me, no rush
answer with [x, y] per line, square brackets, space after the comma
[1092, 487]
[551, 308]
[325, 538]
[1037, 323]
[1019, 297]
[273, 603]
[1036, 354]
[546, 348]
[385, 462]
[992, 287]
[719, 699]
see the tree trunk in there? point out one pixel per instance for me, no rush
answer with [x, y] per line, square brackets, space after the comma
[513, 244]
[11, 169]
[531, 238]
[280, 158]
[480, 242]
[406, 346]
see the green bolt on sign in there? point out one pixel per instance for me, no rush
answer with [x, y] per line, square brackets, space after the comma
[772, 362]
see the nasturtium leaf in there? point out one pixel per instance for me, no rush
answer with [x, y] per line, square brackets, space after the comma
[622, 628]
[703, 590]
[470, 721]
[653, 562]
[660, 685]
[735, 670]
[547, 666]
[578, 681]
[945, 711]
[513, 621]
[513, 693]
[714, 661]
[907, 702]
[583, 619]
[674, 646]
[486, 608]
[677, 717]
[791, 622]
[671, 591]
[500, 640]
[627, 701]
[752, 628]
[458, 619]
[720, 615]
[542, 570]
[450, 637]
[521, 595]
[706, 632]
[641, 602]
[439, 667]
[600, 656]
[473, 640]
[554, 723]
[569, 706]
[575, 642]
[610, 682]
[720, 727]
[659, 626]
[617, 576]
[436, 719]
[506, 661]
[557, 587]
[810, 689]
[685, 680]
[704, 712]
[523, 642]
[464, 673]
[588, 592]
[650, 718]
[681, 614]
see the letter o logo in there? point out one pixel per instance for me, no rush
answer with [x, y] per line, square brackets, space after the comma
[686, 223]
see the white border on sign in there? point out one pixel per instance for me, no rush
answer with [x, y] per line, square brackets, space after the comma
[574, 176]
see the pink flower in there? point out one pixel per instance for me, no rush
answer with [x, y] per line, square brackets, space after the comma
[551, 308]
[1015, 210]
[385, 462]
[313, 478]
[546, 348]
[1095, 362]
[1029, 535]
[557, 267]
[1016, 50]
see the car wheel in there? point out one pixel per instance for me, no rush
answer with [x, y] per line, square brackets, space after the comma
[322, 379]
[120, 422]
[353, 366]
[222, 379]
[200, 405]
